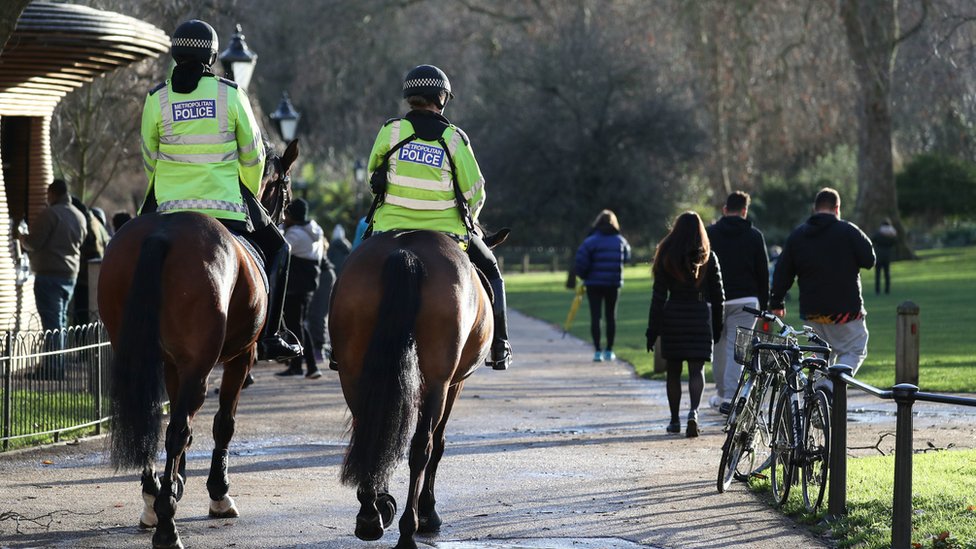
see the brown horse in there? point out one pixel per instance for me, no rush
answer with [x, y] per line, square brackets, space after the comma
[410, 320]
[178, 293]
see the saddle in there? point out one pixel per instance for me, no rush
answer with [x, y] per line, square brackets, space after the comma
[256, 255]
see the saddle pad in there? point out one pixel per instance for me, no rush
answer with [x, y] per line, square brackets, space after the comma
[257, 256]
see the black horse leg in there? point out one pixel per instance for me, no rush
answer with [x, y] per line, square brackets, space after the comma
[369, 525]
[428, 521]
[421, 448]
[178, 436]
[150, 489]
[218, 485]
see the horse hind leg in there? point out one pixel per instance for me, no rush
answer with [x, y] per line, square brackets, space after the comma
[178, 437]
[421, 449]
[369, 523]
[428, 521]
[218, 483]
[150, 489]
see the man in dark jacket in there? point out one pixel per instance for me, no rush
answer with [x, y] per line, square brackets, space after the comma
[825, 255]
[741, 250]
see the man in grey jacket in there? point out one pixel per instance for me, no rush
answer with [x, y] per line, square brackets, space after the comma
[53, 244]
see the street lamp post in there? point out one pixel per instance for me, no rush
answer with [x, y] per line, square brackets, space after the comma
[238, 61]
[286, 118]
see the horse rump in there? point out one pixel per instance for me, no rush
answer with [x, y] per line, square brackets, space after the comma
[137, 379]
[388, 392]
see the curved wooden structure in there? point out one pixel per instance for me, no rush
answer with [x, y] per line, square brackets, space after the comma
[54, 49]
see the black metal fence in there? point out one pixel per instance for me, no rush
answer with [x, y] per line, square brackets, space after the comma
[54, 383]
[905, 395]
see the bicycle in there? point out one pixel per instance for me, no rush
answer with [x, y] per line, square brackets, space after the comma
[801, 427]
[751, 413]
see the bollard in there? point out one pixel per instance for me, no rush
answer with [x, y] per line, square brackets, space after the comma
[906, 344]
[901, 509]
[555, 263]
[837, 495]
[525, 263]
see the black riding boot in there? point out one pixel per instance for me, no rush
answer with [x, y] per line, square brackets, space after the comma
[501, 350]
[272, 346]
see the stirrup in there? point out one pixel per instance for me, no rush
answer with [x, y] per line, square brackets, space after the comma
[501, 355]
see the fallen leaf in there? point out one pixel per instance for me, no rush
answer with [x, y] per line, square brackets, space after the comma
[47, 462]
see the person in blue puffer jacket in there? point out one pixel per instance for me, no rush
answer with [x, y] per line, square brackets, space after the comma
[599, 263]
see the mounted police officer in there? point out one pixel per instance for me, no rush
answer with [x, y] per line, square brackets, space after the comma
[426, 177]
[203, 152]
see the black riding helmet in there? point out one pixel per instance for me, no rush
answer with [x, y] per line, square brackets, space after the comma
[427, 81]
[195, 40]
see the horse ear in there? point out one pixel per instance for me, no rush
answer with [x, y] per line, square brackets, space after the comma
[496, 239]
[290, 155]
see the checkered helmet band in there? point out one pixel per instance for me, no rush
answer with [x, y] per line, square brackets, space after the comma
[425, 80]
[196, 43]
[426, 83]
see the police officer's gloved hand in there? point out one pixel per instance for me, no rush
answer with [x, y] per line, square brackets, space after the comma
[377, 182]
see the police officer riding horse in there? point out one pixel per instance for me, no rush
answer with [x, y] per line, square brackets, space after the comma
[425, 177]
[203, 152]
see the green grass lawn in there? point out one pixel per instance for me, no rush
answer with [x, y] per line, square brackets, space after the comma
[941, 283]
[943, 496]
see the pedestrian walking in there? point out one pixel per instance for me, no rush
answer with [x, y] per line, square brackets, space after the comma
[825, 255]
[686, 311]
[884, 240]
[53, 242]
[599, 263]
[741, 250]
[304, 237]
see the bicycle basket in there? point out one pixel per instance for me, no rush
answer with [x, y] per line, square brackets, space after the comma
[743, 343]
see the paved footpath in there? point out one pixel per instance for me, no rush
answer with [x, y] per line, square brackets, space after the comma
[558, 452]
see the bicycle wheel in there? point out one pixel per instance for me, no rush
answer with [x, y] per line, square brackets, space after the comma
[783, 445]
[764, 425]
[816, 451]
[737, 443]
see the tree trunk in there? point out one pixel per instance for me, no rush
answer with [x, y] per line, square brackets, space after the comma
[871, 27]
[10, 11]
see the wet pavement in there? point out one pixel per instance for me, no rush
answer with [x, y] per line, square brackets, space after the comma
[558, 452]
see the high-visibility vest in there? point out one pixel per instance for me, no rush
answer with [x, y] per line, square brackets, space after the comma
[419, 191]
[196, 147]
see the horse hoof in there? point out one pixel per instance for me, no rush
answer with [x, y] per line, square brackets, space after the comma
[387, 507]
[406, 543]
[174, 543]
[148, 518]
[224, 508]
[429, 524]
[368, 530]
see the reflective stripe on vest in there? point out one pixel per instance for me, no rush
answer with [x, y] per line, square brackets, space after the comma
[166, 113]
[198, 158]
[201, 204]
[206, 139]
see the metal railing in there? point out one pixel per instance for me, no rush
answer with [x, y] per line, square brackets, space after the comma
[905, 395]
[53, 382]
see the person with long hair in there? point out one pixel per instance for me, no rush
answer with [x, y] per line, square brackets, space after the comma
[687, 309]
[599, 262]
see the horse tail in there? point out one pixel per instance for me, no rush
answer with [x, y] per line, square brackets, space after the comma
[137, 380]
[388, 394]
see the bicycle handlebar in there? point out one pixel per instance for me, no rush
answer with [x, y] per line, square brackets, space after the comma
[787, 330]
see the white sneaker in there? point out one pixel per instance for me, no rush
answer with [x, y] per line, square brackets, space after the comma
[715, 401]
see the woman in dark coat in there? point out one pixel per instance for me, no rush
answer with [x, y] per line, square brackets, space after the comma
[599, 262]
[687, 280]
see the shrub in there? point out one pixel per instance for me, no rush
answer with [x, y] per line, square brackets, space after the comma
[936, 188]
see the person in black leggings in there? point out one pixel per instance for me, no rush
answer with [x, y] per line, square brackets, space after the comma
[687, 311]
[599, 262]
